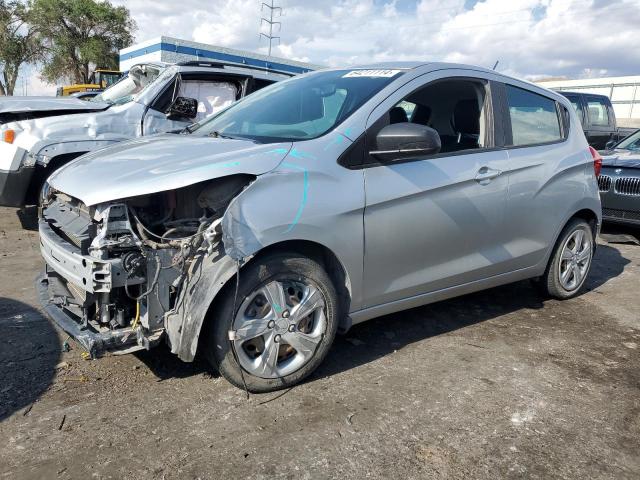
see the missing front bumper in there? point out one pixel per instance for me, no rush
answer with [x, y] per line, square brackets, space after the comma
[95, 343]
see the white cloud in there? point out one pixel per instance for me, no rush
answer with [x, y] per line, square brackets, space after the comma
[530, 38]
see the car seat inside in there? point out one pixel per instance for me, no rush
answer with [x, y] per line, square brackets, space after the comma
[452, 107]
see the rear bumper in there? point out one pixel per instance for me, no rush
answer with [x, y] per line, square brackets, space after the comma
[14, 185]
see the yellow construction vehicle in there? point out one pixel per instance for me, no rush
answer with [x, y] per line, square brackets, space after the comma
[98, 81]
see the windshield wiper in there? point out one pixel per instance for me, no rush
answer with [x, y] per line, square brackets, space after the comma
[217, 134]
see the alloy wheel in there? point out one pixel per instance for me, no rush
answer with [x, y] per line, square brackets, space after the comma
[575, 259]
[278, 327]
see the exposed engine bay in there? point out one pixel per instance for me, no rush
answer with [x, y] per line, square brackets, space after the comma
[119, 269]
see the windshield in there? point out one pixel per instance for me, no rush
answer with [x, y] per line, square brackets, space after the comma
[632, 142]
[138, 79]
[301, 108]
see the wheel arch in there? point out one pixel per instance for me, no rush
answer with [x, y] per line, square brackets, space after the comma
[185, 327]
[42, 172]
[328, 260]
[589, 216]
[587, 213]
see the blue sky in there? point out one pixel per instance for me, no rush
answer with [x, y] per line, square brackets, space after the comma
[530, 38]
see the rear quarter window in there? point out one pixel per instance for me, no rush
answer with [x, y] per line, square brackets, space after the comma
[534, 118]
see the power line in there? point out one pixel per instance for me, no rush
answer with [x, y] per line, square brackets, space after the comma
[270, 22]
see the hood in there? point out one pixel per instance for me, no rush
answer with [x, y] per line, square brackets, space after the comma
[160, 163]
[621, 158]
[20, 108]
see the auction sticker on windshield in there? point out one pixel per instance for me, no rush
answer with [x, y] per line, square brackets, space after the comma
[371, 73]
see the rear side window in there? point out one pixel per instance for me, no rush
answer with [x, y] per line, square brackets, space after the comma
[597, 111]
[534, 118]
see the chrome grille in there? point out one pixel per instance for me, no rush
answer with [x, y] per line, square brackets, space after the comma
[628, 185]
[604, 183]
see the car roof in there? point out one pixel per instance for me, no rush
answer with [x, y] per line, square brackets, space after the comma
[413, 65]
[564, 92]
[432, 66]
[208, 67]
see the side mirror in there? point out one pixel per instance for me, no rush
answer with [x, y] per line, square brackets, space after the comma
[610, 144]
[183, 107]
[405, 141]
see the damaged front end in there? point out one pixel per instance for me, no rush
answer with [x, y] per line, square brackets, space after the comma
[118, 275]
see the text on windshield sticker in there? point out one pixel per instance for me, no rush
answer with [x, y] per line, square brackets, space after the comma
[371, 73]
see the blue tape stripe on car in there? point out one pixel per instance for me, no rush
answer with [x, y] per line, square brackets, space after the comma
[305, 189]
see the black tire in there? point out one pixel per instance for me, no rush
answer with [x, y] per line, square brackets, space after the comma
[550, 284]
[218, 349]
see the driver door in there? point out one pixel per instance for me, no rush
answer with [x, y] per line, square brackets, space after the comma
[435, 222]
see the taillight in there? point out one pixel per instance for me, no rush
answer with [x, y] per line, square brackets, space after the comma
[597, 161]
[9, 136]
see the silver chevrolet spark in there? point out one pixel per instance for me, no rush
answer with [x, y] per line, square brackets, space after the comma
[316, 204]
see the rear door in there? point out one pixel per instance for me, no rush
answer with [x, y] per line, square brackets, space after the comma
[547, 172]
[434, 222]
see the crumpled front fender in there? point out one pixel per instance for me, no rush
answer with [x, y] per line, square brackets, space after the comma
[206, 278]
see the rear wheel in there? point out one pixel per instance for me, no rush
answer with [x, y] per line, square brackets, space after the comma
[570, 261]
[281, 328]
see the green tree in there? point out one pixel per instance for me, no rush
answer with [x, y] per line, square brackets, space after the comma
[80, 35]
[18, 43]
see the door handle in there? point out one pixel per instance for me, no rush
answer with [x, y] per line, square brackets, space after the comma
[486, 174]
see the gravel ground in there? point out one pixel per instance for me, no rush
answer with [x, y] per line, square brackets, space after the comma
[499, 384]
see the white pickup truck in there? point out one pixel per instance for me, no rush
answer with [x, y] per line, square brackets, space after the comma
[40, 134]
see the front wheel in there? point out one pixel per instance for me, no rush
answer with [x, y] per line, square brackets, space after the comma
[282, 326]
[570, 261]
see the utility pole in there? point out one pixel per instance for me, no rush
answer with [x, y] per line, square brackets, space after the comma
[271, 22]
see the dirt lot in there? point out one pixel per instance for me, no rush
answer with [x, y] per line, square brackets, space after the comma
[499, 384]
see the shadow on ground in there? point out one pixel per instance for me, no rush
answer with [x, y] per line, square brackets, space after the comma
[608, 263]
[29, 354]
[369, 341]
[164, 364]
[379, 337]
[616, 233]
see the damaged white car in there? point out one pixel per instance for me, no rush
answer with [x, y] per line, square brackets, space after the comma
[38, 135]
[314, 204]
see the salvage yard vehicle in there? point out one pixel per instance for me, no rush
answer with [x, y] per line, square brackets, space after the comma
[598, 119]
[40, 134]
[620, 182]
[314, 204]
